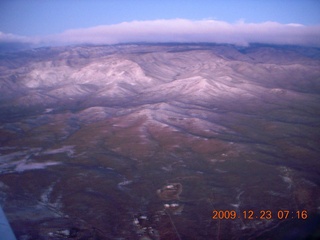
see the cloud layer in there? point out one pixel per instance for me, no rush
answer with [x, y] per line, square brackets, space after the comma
[183, 30]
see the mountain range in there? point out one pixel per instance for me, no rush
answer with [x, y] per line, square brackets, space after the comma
[91, 134]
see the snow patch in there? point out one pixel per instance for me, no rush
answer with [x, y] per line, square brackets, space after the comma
[68, 149]
[21, 167]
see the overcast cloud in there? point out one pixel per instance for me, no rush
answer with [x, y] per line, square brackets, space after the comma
[182, 30]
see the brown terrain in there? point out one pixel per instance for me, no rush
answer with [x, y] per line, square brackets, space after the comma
[146, 141]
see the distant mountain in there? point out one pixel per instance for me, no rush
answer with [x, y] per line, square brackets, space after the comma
[47, 76]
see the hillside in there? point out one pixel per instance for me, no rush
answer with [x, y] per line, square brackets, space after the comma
[147, 140]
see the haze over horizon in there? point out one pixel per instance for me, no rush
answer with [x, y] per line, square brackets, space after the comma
[45, 23]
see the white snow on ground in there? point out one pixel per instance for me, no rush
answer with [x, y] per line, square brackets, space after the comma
[8, 157]
[286, 177]
[21, 161]
[65, 149]
[24, 164]
[125, 182]
[31, 166]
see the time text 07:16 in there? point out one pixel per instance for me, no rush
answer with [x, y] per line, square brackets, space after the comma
[262, 214]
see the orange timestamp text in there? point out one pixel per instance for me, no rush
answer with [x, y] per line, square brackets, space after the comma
[262, 214]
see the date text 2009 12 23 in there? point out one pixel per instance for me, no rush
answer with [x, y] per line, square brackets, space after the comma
[262, 214]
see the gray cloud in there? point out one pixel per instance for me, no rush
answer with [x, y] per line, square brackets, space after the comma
[11, 42]
[8, 37]
[183, 30]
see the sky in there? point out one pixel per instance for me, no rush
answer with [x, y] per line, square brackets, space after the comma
[118, 21]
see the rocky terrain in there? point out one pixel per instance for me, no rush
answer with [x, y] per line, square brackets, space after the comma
[145, 141]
